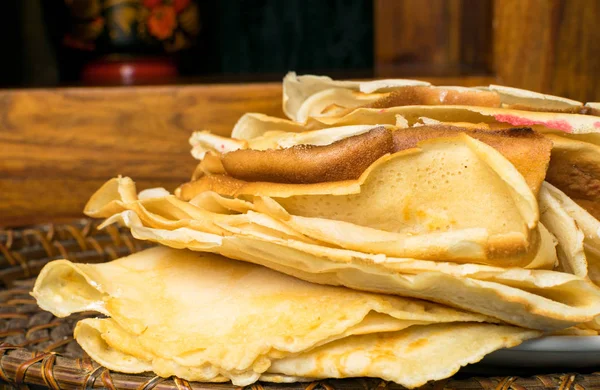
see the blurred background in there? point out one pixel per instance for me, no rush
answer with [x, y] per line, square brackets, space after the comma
[550, 46]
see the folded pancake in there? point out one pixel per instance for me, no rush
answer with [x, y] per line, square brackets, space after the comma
[168, 212]
[209, 318]
[570, 248]
[345, 159]
[590, 227]
[337, 102]
[527, 150]
[575, 170]
[296, 89]
[531, 298]
[252, 125]
[303, 100]
[538, 299]
[210, 213]
[293, 158]
[586, 223]
[204, 141]
[577, 124]
[322, 137]
[399, 356]
[399, 193]
[392, 356]
[522, 99]
[209, 148]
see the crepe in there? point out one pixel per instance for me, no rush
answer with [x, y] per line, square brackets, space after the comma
[313, 96]
[396, 202]
[336, 102]
[568, 123]
[563, 226]
[296, 89]
[344, 159]
[586, 223]
[203, 317]
[523, 99]
[527, 150]
[537, 299]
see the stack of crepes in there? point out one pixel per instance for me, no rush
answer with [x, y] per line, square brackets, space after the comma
[389, 229]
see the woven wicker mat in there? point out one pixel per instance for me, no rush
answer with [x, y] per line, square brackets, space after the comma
[37, 349]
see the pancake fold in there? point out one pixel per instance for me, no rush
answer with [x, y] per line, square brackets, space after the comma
[538, 299]
[208, 318]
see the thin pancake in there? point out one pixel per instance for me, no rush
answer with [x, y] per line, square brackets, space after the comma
[570, 248]
[213, 317]
[252, 124]
[522, 99]
[345, 159]
[337, 102]
[528, 151]
[400, 193]
[536, 299]
[323, 97]
[296, 89]
[427, 95]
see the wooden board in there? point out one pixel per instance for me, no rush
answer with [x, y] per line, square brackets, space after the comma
[549, 46]
[435, 37]
[58, 146]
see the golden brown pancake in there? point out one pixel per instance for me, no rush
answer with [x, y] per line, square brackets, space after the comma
[345, 159]
[527, 150]
[426, 95]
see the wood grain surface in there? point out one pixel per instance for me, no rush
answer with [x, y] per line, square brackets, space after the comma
[58, 146]
[432, 37]
[550, 46]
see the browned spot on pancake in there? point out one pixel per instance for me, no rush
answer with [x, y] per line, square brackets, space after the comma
[424, 95]
[345, 159]
[527, 150]
[420, 343]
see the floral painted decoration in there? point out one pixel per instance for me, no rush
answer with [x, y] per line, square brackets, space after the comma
[132, 25]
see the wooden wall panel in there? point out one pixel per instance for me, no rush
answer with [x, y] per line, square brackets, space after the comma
[58, 146]
[550, 46]
[432, 37]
